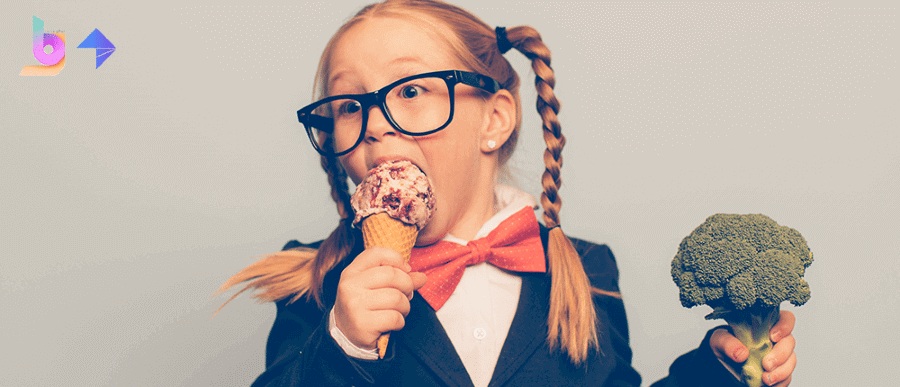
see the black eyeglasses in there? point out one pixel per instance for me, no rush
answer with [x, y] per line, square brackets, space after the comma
[418, 105]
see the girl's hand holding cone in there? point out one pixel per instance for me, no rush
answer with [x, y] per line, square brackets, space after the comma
[373, 295]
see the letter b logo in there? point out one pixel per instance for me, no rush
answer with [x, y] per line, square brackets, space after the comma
[53, 61]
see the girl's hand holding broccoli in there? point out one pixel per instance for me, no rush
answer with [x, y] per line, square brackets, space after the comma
[778, 364]
[744, 267]
[373, 295]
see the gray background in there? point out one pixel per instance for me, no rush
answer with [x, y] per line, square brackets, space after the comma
[131, 192]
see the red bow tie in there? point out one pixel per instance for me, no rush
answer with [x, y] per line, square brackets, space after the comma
[514, 245]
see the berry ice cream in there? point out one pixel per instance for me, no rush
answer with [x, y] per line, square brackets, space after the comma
[398, 188]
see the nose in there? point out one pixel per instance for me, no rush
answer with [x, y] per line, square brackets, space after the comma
[377, 125]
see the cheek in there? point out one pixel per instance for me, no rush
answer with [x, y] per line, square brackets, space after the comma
[453, 148]
[453, 164]
[355, 166]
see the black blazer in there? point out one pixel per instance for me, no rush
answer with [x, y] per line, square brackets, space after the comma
[301, 352]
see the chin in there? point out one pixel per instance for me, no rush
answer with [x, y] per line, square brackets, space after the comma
[429, 235]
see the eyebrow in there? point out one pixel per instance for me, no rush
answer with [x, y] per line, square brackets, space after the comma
[406, 59]
[406, 66]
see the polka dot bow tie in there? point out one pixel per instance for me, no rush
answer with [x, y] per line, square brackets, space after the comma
[514, 245]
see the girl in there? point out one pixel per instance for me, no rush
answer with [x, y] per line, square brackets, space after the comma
[490, 296]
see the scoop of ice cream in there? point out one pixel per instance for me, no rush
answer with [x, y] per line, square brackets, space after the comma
[398, 188]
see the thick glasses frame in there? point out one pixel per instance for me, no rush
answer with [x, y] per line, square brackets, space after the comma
[314, 122]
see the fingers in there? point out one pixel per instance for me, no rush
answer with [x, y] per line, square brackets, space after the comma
[784, 383]
[387, 320]
[783, 327]
[363, 334]
[384, 277]
[379, 267]
[781, 376]
[781, 351]
[780, 363]
[377, 256]
[383, 310]
[373, 295]
[387, 299]
[726, 346]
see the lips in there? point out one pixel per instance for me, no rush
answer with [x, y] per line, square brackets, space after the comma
[383, 159]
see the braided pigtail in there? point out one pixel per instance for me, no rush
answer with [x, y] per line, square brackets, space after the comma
[298, 272]
[341, 241]
[572, 322]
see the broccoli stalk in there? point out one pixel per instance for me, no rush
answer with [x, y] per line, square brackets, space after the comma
[751, 327]
[744, 267]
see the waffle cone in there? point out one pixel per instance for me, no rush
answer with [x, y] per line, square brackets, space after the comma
[383, 230]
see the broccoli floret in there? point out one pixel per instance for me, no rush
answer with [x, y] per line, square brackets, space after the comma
[744, 267]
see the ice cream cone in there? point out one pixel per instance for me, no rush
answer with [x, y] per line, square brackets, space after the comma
[382, 230]
[391, 205]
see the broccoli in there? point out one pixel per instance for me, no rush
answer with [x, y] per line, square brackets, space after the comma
[743, 266]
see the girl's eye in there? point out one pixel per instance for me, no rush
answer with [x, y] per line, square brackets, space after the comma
[410, 91]
[350, 107]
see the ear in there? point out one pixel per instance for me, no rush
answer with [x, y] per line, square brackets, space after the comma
[500, 121]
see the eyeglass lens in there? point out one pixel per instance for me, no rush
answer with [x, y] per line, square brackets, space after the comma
[418, 106]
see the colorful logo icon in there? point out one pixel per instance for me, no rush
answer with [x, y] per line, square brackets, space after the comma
[55, 60]
[104, 47]
[50, 49]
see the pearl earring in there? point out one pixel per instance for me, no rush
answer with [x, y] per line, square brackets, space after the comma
[491, 144]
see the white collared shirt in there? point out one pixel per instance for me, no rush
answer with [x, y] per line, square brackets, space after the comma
[478, 314]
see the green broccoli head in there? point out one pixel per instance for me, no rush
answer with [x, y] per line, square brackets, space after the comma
[734, 262]
[744, 267]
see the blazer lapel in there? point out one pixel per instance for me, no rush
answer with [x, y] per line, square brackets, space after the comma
[426, 339]
[528, 330]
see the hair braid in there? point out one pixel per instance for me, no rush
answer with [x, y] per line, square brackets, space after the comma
[528, 41]
[572, 322]
[339, 244]
[340, 192]
[299, 272]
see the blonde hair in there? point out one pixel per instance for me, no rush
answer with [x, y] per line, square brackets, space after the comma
[572, 322]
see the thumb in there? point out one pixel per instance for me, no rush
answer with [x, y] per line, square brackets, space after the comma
[418, 279]
[726, 346]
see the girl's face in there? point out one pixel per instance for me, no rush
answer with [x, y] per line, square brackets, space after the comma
[378, 51]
